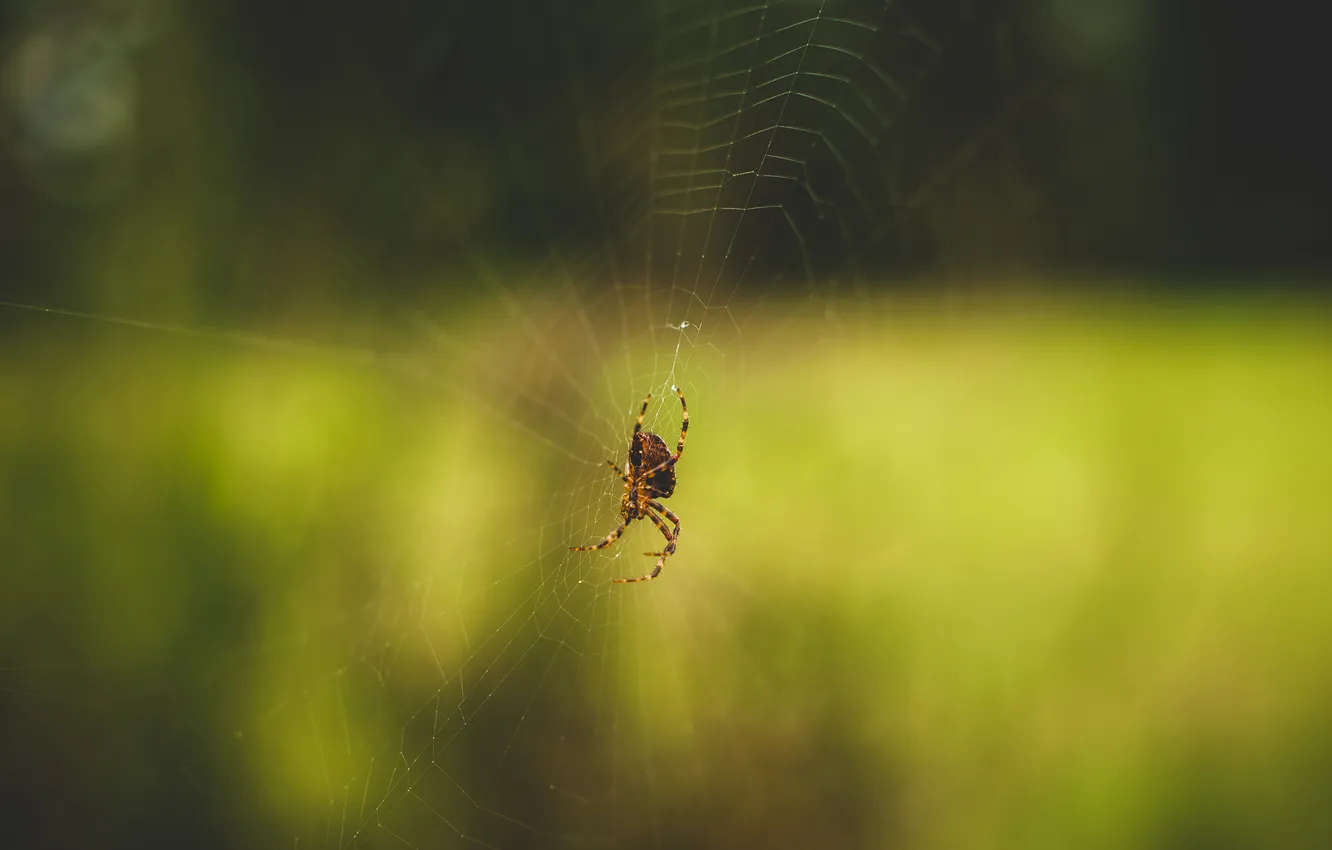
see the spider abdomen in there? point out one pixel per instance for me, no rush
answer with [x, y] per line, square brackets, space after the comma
[647, 451]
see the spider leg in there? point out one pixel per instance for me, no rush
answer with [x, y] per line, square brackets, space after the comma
[618, 471]
[671, 537]
[684, 423]
[670, 461]
[638, 426]
[679, 448]
[606, 541]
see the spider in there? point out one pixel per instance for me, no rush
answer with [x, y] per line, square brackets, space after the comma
[649, 475]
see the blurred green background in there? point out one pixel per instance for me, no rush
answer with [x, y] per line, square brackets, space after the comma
[953, 579]
[1005, 500]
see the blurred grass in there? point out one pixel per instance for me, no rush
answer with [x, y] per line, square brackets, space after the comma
[1052, 578]
[1043, 576]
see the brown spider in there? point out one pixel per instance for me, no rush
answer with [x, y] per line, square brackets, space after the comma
[648, 476]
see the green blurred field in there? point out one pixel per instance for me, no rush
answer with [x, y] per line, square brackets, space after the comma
[1021, 576]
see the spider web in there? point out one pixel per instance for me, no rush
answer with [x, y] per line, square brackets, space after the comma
[465, 678]
[756, 152]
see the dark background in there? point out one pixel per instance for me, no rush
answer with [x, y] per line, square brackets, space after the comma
[1172, 145]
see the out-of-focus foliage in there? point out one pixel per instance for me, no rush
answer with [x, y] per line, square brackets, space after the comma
[214, 159]
[951, 580]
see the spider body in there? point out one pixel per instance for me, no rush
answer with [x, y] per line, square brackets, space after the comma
[649, 475]
[648, 451]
